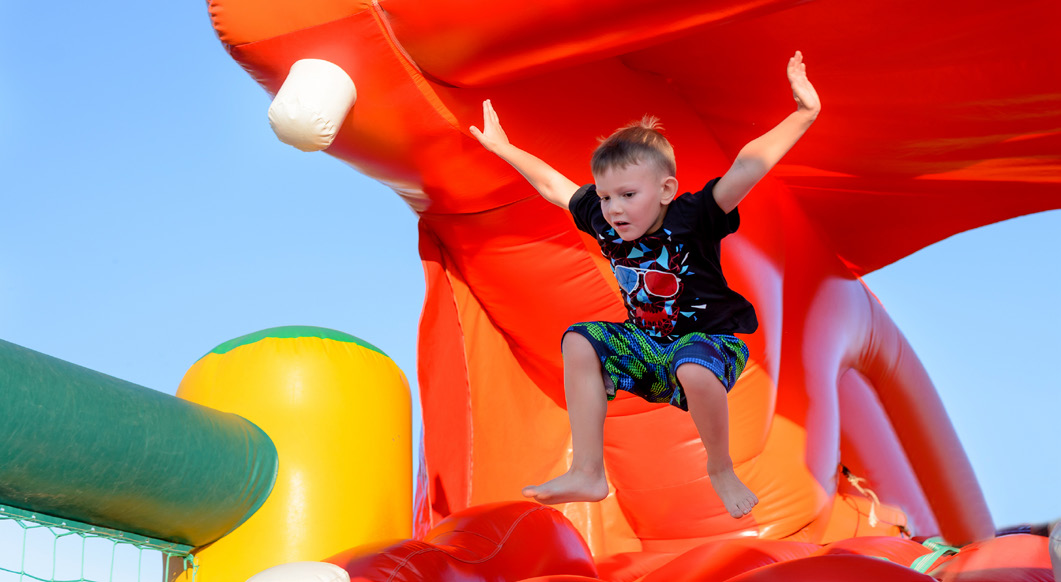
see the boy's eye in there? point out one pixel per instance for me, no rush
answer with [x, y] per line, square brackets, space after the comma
[628, 194]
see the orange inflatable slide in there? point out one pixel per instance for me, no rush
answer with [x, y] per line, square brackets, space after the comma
[938, 117]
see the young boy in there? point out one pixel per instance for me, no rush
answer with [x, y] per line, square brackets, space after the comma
[677, 345]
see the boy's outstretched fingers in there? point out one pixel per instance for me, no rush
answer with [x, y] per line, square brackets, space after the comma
[492, 135]
[795, 62]
[802, 89]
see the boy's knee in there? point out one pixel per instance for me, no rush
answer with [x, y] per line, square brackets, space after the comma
[694, 377]
[576, 347]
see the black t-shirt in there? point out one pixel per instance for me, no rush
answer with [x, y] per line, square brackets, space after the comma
[671, 280]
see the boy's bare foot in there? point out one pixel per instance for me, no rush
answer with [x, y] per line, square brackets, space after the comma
[735, 495]
[571, 486]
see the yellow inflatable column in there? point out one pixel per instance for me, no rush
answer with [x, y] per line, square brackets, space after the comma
[338, 411]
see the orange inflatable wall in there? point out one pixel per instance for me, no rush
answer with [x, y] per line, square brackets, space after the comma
[937, 117]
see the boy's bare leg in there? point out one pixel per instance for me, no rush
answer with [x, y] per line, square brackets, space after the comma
[587, 405]
[706, 397]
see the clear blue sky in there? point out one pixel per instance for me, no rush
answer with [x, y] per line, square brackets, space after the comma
[148, 214]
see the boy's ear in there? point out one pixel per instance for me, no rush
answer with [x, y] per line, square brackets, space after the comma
[670, 190]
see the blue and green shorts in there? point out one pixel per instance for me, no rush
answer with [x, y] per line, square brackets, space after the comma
[633, 361]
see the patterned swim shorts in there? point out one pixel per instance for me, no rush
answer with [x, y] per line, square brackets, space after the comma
[637, 363]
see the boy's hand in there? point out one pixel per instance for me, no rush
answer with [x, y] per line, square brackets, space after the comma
[764, 152]
[802, 90]
[552, 185]
[492, 136]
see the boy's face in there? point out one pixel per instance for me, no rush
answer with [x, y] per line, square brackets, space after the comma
[634, 199]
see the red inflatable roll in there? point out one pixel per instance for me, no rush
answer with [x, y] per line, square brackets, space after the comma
[500, 541]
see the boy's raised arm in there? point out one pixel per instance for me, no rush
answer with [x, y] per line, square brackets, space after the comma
[552, 185]
[759, 155]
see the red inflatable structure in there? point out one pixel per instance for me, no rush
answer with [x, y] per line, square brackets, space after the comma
[937, 117]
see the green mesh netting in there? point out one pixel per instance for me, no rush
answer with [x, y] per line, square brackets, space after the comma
[35, 546]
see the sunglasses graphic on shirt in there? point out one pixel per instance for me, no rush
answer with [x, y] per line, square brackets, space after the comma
[662, 284]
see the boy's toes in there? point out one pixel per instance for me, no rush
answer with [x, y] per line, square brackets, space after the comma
[752, 502]
[736, 497]
[538, 493]
[743, 506]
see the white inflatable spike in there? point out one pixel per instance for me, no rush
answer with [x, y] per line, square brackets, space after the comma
[311, 105]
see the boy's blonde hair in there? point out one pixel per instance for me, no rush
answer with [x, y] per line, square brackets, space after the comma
[640, 141]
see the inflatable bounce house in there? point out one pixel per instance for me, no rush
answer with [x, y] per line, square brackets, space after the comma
[293, 463]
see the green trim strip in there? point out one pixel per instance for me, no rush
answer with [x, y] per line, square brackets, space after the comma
[140, 541]
[290, 332]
